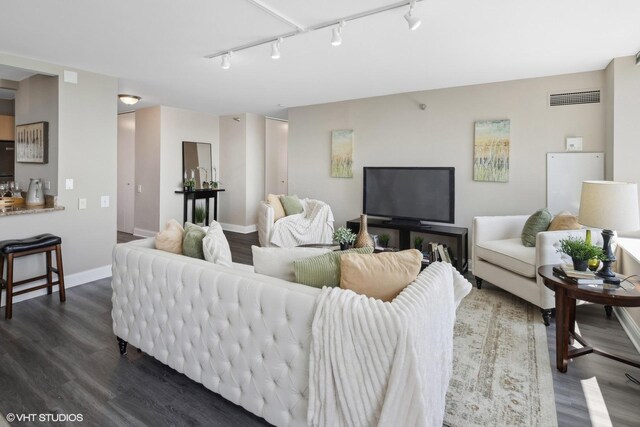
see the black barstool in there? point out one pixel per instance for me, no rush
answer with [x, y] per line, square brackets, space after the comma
[11, 249]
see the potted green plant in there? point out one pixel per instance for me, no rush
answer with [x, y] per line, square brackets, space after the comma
[384, 240]
[200, 214]
[344, 236]
[580, 252]
[214, 184]
[417, 243]
[189, 184]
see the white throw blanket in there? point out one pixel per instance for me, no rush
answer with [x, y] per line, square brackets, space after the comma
[385, 363]
[314, 225]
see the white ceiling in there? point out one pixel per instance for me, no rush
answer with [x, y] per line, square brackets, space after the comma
[157, 47]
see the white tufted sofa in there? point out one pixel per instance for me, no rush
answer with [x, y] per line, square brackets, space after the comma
[243, 335]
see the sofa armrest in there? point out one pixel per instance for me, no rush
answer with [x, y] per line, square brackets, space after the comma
[265, 223]
[486, 228]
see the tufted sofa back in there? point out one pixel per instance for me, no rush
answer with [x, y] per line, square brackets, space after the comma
[243, 335]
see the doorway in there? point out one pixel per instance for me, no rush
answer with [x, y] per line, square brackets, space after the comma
[126, 171]
[276, 145]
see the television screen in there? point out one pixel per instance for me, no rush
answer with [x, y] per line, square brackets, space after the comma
[410, 193]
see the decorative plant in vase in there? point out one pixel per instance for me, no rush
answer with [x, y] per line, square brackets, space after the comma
[417, 243]
[580, 252]
[344, 236]
[189, 184]
[200, 214]
[384, 240]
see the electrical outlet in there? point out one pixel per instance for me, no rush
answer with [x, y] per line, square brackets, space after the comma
[68, 184]
[104, 201]
[139, 188]
[47, 185]
[82, 203]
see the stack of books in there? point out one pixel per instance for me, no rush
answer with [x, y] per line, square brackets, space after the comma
[566, 272]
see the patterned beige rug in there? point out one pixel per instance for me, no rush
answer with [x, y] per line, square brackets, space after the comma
[501, 369]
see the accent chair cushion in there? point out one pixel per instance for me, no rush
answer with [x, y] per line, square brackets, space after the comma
[278, 262]
[278, 210]
[536, 223]
[291, 204]
[510, 254]
[382, 276]
[323, 270]
[170, 239]
[192, 241]
[215, 246]
[564, 221]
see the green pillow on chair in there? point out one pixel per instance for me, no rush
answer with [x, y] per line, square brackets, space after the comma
[536, 223]
[291, 204]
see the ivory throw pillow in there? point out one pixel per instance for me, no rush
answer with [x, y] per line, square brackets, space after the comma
[192, 241]
[564, 221]
[278, 262]
[291, 204]
[215, 246]
[276, 204]
[382, 276]
[323, 270]
[536, 223]
[170, 239]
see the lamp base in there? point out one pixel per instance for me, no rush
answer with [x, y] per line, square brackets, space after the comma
[612, 280]
[605, 272]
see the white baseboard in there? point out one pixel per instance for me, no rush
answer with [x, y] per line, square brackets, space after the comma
[144, 233]
[70, 280]
[630, 327]
[244, 229]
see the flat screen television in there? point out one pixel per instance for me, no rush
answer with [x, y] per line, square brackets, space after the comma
[410, 194]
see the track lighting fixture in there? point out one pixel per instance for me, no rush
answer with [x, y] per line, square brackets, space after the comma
[226, 61]
[275, 48]
[413, 21]
[336, 38]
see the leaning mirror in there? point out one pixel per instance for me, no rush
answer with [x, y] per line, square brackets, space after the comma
[196, 163]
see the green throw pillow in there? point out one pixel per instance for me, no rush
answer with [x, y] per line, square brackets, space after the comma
[536, 223]
[323, 270]
[291, 204]
[192, 241]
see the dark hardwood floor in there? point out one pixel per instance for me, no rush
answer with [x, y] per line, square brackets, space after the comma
[63, 359]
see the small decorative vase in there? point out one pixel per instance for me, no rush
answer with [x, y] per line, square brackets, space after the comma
[344, 246]
[580, 265]
[363, 239]
[593, 264]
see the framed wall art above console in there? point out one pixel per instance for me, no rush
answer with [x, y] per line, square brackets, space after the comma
[32, 143]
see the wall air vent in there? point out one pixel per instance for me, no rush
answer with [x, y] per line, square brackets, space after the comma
[574, 98]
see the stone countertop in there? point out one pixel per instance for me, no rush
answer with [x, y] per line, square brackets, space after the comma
[50, 205]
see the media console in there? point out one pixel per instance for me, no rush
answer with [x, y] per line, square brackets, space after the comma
[461, 235]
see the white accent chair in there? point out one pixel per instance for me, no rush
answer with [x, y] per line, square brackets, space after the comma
[499, 257]
[313, 225]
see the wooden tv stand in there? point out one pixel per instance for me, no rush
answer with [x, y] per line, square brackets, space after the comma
[461, 235]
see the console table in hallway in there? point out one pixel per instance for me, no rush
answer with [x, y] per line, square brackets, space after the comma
[206, 194]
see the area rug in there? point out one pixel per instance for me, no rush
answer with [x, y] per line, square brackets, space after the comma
[501, 369]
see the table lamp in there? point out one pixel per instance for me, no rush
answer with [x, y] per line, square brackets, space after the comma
[610, 206]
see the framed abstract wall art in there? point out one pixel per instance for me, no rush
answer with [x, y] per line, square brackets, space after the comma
[32, 143]
[491, 150]
[342, 153]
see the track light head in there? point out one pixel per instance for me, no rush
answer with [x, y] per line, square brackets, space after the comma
[226, 61]
[275, 49]
[413, 21]
[336, 36]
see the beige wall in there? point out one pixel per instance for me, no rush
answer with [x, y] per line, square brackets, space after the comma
[87, 153]
[176, 126]
[147, 166]
[394, 131]
[37, 101]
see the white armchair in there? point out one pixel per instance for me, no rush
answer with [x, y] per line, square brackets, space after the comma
[500, 258]
[313, 225]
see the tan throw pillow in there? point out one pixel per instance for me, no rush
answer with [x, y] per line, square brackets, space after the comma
[564, 221]
[276, 204]
[170, 239]
[382, 275]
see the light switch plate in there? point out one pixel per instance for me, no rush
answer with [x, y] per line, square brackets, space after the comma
[68, 184]
[104, 201]
[574, 143]
[139, 188]
[82, 203]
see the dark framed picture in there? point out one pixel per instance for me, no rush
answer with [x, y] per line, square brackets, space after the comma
[32, 143]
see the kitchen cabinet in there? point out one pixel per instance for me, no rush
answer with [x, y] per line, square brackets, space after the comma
[7, 128]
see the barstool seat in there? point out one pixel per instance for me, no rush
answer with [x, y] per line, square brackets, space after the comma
[42, 243]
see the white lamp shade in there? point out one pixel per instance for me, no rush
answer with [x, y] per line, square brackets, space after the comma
[609, 205]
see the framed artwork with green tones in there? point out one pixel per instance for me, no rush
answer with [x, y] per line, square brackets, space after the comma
[342, 153]
[491, 150]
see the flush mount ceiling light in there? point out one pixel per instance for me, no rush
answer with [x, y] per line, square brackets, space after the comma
[336, 37]
[225, 64]
[413, 21]
[336, 26]
[275, 49]
[128, 99]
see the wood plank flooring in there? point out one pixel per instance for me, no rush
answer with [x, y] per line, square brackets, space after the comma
[63, 358]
